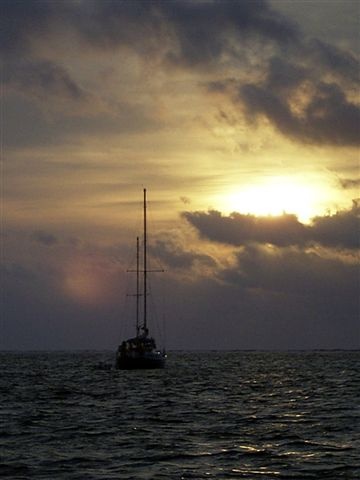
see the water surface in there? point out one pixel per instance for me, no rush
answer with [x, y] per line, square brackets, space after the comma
[220, 415]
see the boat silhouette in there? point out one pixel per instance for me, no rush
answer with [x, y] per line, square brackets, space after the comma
[140, 351]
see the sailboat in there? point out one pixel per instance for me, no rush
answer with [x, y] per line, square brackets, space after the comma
[140, 352]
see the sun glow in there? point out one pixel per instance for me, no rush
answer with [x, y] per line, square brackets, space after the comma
[88, 281]
[275, 196]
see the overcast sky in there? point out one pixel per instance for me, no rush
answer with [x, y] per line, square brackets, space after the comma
[242, 120]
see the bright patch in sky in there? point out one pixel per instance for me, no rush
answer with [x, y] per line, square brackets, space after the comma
[275, 196]
[86, 282]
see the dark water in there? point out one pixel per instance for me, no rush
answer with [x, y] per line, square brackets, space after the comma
[207, 415]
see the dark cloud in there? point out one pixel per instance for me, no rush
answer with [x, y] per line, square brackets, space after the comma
[111, 22]
[262, 101]
[340, 230]
[349, 182]
[186, 32]
[268, 298]
[21, 21]
[193, 34]
[306, 298]
[176, 256]
[329, 118]
[181, 32]
[238, 229]
[293, 271]
[45, 238]
[204, 30]
[322, 76]
[284, 76]
[335, 60]
[41, 79]
[325, 114]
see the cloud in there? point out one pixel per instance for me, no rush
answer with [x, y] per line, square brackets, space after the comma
[21, 21]
[310, 99]
[211, 36]
[71, 296]
[302, 109]
[283, 76]
[340, 230]
[331, 118]
[239, 229]
[335, 60]
[204, 31]
[293, 271]
[299, 98]
[186, 33]
[45, 238]
[42, 78]
[268, 297]
[175, 255]
[328, 118]
[349, 182]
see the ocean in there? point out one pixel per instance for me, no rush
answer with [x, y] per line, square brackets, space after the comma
[207, 415]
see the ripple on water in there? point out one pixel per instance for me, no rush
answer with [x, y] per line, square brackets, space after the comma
[221, 415]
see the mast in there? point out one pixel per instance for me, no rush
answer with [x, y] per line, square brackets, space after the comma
[137, 286]
[145, 267]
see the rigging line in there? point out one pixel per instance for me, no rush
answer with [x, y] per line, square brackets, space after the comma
[154, 316]
[124, 317]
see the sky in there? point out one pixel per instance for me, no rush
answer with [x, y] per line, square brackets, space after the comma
[241, 118]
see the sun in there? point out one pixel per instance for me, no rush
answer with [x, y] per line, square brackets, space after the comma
[276, 196]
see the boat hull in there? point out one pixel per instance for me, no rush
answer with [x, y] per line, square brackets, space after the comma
[141, 361]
